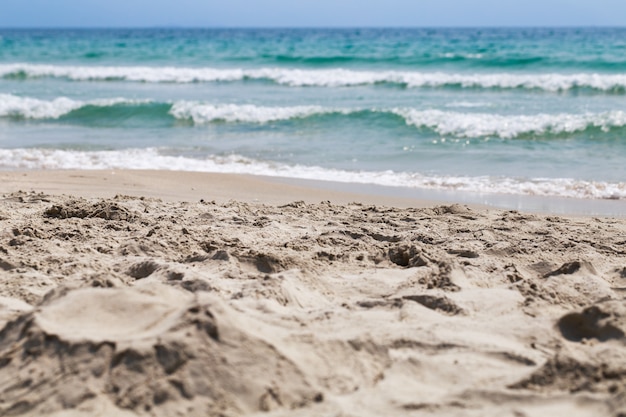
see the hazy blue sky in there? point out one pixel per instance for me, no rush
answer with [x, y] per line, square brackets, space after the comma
[236, 13]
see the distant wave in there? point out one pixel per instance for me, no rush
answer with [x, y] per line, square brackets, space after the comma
[552, 82]
[444, 123]
[465, 59]
[421, 60]
[153, 158]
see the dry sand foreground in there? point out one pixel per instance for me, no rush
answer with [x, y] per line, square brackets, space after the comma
[138, 306]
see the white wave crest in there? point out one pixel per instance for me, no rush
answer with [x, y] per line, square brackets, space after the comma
[152, 158]
[337, 77]
[202, 113]
[472, 125]
[33, 108]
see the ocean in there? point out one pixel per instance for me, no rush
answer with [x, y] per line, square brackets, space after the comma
[474, 112]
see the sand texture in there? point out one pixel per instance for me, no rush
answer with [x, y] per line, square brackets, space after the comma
[139, 306]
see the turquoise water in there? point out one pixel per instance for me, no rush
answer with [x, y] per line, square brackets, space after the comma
[488, 111]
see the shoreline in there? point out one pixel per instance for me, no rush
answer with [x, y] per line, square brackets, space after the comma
[194, 186]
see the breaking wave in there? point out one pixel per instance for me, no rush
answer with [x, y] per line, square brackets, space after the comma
[443, 123]
[338, 77]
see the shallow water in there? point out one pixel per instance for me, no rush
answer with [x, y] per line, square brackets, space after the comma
[515, 112]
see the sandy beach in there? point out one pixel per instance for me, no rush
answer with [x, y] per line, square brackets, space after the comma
[152, 293]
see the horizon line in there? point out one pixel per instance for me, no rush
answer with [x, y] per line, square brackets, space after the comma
[320, 27]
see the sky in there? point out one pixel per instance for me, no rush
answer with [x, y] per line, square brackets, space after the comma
[310, 13]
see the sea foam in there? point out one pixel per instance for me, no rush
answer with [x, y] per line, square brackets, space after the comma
[154, 158]
[472, 125]
[202, 113]
[335, 77]
[33, 108]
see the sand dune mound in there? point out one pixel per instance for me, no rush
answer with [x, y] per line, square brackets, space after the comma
[82, 209]
[153, 350]
[594, 359]
[603, 321]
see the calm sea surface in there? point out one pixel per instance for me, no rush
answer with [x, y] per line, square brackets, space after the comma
[510, 111]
